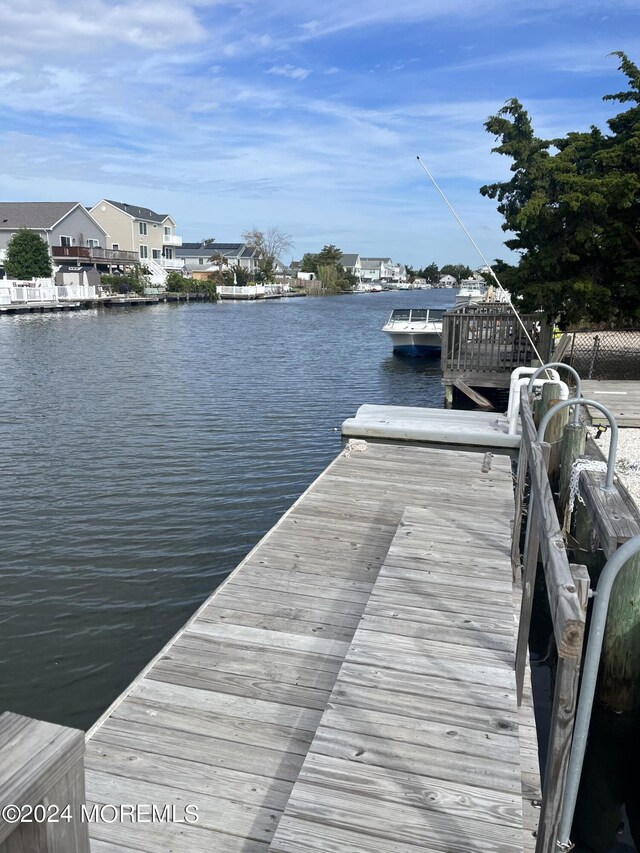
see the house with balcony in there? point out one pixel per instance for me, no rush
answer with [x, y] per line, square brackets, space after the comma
[150, 235]
[73, 236]
[377, 269]
[196, 257]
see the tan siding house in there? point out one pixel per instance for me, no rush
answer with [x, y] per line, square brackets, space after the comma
[139, 229]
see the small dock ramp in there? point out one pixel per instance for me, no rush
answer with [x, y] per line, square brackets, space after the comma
[350, 687]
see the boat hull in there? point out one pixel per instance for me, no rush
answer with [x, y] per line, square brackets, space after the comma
[416, 343]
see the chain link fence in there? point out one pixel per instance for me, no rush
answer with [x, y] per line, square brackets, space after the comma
[605, 354]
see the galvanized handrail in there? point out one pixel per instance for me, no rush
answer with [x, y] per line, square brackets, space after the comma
[571, 370]
[613, 445]
[591, 663]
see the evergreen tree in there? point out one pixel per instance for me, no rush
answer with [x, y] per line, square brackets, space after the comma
[573, 205]
[27, 256]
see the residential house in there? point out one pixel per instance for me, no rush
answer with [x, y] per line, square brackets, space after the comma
[72, 234]
[377, 269]
[152, 236]
[447, 281]
[352, 264]
[197, 256]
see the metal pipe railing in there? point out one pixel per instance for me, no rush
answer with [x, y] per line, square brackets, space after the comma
[591, 663]
[613, 445]
[571, 370]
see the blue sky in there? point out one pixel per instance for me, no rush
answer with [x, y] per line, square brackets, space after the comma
[306, 116]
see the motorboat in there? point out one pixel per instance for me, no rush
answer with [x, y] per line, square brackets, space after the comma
[415, 331]
[478, 293]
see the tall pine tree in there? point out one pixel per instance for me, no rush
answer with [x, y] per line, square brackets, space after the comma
[573, 205]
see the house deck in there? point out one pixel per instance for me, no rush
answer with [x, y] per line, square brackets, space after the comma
[350, 687]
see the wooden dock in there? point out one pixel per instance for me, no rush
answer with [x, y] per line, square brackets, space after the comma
[622, 397]
[350, 687]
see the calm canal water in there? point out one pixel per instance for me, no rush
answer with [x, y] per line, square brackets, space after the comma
[146, 450]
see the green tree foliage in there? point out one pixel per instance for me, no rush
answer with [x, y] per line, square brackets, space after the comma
[27, 256]
[573, 205]
[326, 265]
[133, 282]
[219, 260]
[329, 256]
[309, 263]
[177, 283]
[241, 275]
[431, 272]
[458, 271]
[331, 273]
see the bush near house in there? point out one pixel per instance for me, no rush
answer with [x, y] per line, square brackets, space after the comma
[177, 283]
[130, 283]
[27, 256]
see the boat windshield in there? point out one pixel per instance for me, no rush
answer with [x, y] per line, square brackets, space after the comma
[416, 315]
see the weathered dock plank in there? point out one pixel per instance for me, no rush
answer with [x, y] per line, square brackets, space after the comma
[423, 698]
[225, 715]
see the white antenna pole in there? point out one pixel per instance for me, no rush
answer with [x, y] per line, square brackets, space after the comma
[486, 263]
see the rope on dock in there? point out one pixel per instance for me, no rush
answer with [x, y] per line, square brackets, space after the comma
[355, 445]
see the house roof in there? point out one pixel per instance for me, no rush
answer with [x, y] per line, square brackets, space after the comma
[370, 264]
[379, 260]
[38, 215]
[138, 212]
[349, 260]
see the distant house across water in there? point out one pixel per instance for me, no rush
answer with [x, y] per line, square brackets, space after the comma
[197, 256]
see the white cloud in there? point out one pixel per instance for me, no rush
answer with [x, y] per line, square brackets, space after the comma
[96, 26]
[136, 100]
[289, 71]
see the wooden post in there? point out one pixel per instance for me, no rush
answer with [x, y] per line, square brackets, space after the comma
[565, 700]
[609, 519]
[573, 445]
[523, 465]
[42, 765]
[619, 680]
[448, 396]
[532, 548]
[553, 435]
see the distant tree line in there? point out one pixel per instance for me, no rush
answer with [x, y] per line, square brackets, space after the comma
[433, 273]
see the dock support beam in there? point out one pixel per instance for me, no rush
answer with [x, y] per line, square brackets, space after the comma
[448, 396]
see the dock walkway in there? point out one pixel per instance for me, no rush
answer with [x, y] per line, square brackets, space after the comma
[288, 733]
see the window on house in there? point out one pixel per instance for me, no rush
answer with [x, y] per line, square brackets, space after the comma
[168, 253]
[92, 243]
[65, 241]
[144, 252]
[167, 231]
[200, 260]
[115, 246]
[143, 229]
[156, 254]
